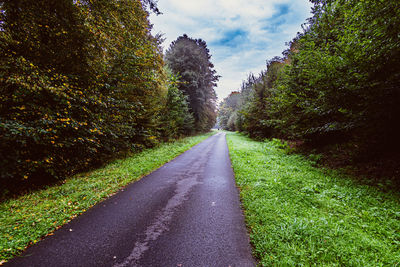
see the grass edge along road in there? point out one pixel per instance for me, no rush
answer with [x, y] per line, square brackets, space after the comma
[25, 220]
[301, 215]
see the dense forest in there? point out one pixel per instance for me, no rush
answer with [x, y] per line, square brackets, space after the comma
[335, 91]
[84, 81]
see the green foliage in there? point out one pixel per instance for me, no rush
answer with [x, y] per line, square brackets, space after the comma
[190, 59]
[80, 81]
[338, 83]
[227, 114]
[178, 120]
[25, 220]
[344, 79]
[299, 215]
[250, 112]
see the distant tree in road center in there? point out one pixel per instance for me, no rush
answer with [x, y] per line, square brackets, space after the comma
[190, 59]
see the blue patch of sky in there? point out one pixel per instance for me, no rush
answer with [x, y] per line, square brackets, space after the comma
[232, 38]
[282, 9]
[273, 26]
[283, 15]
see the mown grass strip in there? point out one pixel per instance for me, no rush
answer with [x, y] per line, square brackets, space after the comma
[25, 220]
[301, 215]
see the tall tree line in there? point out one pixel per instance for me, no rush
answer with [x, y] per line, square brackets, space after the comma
[191, 60]
[337, 85]
[82, 81]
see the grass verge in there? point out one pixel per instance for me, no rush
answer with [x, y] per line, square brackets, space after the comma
[300, 215]
[25, 220]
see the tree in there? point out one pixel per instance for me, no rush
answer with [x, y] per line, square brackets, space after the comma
[177, 119]
[337, 85]
[80, 81]
[190, 59]
[343, 81]
[227, 110]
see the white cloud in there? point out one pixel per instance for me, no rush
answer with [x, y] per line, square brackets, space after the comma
[260, 30]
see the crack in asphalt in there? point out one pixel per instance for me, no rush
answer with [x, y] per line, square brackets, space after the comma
[162, 221]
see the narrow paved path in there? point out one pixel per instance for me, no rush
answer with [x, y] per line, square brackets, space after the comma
[187, 213]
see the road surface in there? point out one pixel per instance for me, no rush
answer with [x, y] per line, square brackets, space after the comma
[186, 213]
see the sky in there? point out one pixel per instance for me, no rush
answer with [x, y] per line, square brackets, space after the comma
[241, 34]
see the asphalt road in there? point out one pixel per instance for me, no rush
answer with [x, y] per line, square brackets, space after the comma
[187, 213]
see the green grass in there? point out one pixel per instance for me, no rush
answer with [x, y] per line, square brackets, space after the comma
[24, 221]
[301, 215]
